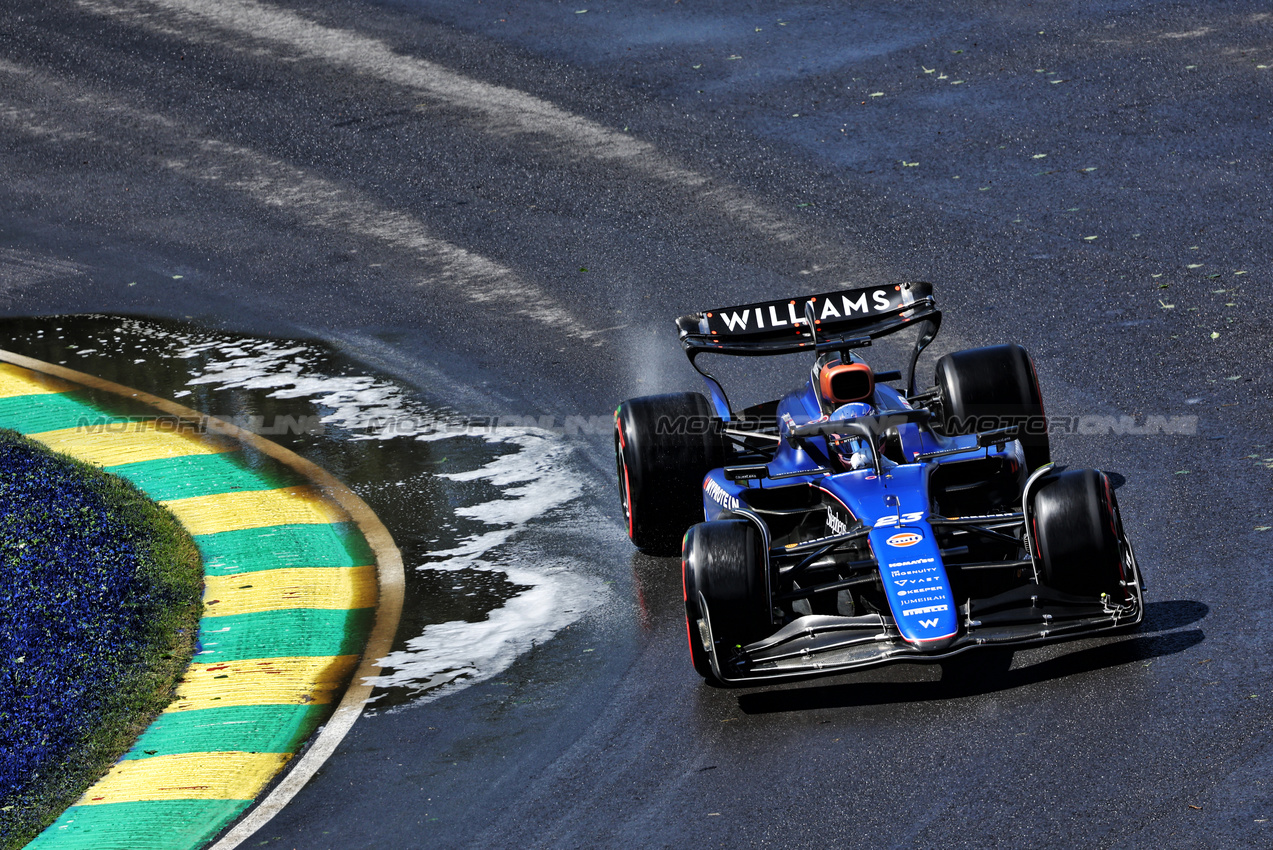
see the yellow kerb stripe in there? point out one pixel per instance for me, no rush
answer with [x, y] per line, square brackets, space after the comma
[276, 590]
[128, 442]
[14, 380]
[264, 681]
[254, 509]
[189, 776]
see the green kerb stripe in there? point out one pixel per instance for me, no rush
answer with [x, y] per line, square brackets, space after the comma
[147, 825]
[243, 729]
[32, 414]
[203, 475]
[321, 545]
[284, 634]
[289, 633]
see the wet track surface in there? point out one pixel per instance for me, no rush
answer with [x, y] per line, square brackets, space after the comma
[431, 214]
[455, 490]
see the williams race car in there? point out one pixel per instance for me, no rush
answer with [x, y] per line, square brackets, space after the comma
[858, 520]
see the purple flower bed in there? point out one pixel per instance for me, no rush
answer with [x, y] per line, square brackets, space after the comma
[76, 606]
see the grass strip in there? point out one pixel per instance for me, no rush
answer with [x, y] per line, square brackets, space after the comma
[100, 598]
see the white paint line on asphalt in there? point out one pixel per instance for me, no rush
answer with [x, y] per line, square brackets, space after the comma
[311, 200]
[21, 268]
[322, 203]
[503, 110]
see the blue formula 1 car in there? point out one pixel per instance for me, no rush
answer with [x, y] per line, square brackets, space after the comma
[858, 521]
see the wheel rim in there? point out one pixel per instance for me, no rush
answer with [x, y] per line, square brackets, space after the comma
[625, 491]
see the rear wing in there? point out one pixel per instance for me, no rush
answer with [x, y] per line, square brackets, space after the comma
[845, 319]
[780, 327]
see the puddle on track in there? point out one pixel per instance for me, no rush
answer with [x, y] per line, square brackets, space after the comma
[484, 517]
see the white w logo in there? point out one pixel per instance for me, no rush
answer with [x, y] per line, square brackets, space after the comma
[928, 624]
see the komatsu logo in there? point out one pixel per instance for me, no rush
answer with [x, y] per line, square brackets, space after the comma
[718, 494]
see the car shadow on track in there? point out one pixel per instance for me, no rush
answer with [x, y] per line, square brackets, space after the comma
[964, 677]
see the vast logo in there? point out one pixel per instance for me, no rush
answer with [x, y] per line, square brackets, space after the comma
[904, 538]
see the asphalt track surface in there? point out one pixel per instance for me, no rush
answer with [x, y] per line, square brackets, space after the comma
[422, 184]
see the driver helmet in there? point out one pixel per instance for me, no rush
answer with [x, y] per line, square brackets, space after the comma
[853, 452]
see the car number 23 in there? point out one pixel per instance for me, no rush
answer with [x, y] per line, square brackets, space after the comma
[894, 520]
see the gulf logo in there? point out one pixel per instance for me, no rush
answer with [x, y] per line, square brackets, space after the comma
[904, 539]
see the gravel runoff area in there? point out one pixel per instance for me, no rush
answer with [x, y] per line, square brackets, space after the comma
[100, 596]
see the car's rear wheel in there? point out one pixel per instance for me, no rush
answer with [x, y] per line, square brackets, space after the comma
[664, 445]
[994, 387]
[723, 567]
[1077, 533]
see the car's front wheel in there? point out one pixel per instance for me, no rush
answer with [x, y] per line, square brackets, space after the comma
[1077, 533]
[723, 570]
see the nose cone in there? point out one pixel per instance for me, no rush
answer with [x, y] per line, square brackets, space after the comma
[937, 645]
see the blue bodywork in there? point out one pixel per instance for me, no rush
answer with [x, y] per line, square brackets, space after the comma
[903, 543]
[880, 537]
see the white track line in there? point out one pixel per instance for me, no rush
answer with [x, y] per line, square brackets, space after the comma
[56, 112]
[249, 25]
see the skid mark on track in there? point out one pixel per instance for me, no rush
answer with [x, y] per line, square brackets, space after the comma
[502, 110]
[57, 112]
[19, 268]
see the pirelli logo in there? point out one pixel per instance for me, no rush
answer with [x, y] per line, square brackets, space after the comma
[927, 609]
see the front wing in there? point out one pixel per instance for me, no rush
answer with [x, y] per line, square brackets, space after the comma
[816, 645]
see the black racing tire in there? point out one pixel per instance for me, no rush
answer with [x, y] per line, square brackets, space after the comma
[664, 445]
[724, 562]
[1077, 533]
[693, 610]
[994, 387]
